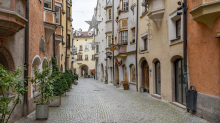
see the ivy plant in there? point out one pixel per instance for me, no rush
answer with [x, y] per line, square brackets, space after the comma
[11, 91]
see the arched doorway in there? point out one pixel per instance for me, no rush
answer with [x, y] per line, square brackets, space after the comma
[158, 77]
[84, 71]
[6, 59]
[179, 82]
[102, 73]
[116, 74]
[145, 75]
[36, 65]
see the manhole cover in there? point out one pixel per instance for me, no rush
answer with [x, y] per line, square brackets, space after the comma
[95, 90]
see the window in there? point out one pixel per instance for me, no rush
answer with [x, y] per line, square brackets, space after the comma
[97, 48]
[178, 28]
[133, 35]
[109, 40]
[79, 57]
[145, 6]
[80, 48]
[124, 37]
[57, 10]
[48, 4]
[86, 57]
[93, 47]
[68, 41]
[146, 44]
[125, 5]
[109, 14]
[157, 78]
[68, 12]
[93, 57]
[132, 73]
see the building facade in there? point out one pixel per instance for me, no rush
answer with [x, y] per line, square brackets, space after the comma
[84, 64]
[203, 55]
[66, 46]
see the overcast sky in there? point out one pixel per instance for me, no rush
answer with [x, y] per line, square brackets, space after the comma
[82, 10]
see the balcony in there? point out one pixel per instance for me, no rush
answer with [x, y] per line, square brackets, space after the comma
[156, 11]
[96, 56]
[12, 17]
[206, 13]
[50, 28]
[122, 51]
[108, 26]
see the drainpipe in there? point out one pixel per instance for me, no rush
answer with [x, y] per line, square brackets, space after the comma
[25, 100]
[66, 39]
[113, 52]
[54, 47]
[185, 45]
[137, 47]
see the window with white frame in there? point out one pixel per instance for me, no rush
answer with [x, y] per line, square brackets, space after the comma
[48, 4]
[175, 28]
[133, 35]
[124, 37]
[97, 48]
[144, 44]
[86, 57]
[109, 14]
[125, 5]
[109, 40]
[57, 10]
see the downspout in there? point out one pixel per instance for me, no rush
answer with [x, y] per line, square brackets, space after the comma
[54, 47]
[113, 31]
[25, 100]
[185, 46]
[66, 39]
[137, 47]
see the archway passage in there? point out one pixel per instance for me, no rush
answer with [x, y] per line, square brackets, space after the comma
[145, 75]
[6, 59]
[116, 74]
[84, 71]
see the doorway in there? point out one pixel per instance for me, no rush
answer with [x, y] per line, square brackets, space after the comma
[145, 76]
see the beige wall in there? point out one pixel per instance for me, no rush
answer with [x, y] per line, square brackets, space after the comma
[159, 48]
[90, 63]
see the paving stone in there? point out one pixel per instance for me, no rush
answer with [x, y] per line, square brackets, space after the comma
[92, 101]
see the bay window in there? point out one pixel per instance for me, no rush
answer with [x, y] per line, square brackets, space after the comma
[109, 40]
[109, 14]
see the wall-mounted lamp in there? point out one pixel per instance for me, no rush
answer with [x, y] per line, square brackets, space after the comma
[108, 55]
[40, 1]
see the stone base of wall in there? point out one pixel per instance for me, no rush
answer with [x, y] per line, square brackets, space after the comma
[17, 113]
[208, 107]
[31, 104]
[132, 87]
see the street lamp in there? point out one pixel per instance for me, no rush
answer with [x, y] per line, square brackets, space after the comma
[108, 54]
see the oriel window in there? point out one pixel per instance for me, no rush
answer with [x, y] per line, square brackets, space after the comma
[109, 40]
[109, 14]
[124, 37]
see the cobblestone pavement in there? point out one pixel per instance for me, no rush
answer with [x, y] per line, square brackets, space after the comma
[95, 102]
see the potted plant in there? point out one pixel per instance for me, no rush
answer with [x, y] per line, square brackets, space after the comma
[68, 78]
[125, 82]
[11, 92]
[44, 82]
[75, 78]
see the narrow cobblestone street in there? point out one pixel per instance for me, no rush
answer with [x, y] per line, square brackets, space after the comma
[95, 102]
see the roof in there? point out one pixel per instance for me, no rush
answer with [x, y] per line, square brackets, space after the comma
[83, 34]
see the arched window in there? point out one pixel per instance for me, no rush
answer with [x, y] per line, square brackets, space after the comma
[157, 78]
[132, 73]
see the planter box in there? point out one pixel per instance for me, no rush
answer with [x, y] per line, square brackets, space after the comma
[76, 83]
[56, 102]
[126, 87]
[42, 112]
[106, 82]
[142, 90]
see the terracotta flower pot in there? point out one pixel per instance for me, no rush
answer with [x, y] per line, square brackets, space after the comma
[126, 87]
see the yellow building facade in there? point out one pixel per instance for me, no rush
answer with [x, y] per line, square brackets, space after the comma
[67, 43]
[84, 64]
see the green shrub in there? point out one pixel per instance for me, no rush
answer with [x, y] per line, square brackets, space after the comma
[59, 84]
[68, 78]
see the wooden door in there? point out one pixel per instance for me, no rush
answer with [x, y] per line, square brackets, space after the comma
[145, 77]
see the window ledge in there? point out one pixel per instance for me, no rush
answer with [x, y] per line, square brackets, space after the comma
[143, 14]
[156, 96]
[108, 21]
[132, 83]
[178, 105]
[144, 51]
[175, 41]
[133, 43]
